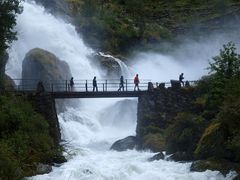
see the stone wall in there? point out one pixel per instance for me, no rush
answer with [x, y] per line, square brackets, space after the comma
[45, 105]
[157, 110]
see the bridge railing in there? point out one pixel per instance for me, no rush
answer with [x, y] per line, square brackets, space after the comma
[79, 85]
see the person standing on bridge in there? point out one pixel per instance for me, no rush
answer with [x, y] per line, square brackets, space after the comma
[121, 85]
[95, 84]
[136, 82]
[71, 84]
[181, 78]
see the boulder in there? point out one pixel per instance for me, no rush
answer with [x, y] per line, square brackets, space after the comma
[41, 65]
[124, 144]
[180, 156]
[109, 63]
[157, 157]
[221, 165]
[43, 168]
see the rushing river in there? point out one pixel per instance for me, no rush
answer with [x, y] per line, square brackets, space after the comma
[89, 129]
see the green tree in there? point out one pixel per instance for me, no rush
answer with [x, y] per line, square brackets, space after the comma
[227, 64]
[8, 11]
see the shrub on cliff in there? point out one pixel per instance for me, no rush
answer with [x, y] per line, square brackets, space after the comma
[230, 119]
[24, 138]
[184, 133]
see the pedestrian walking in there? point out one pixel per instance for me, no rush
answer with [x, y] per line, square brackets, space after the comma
[121, 85]
[181, 79]
[136, 82]
[71, 84]
[95, 84]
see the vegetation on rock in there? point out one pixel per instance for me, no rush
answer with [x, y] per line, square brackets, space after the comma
[119, 25]
[184, 133]
[24, 139]
[204, 127]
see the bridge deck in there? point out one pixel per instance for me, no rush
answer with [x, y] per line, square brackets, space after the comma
[112, 94]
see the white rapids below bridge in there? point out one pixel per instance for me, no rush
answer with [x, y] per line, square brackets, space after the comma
[91, 126]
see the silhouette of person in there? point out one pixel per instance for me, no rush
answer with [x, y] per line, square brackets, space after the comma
[121, 85]
[40, 87]
[181, 78]
[71, 84]
[95, 84]
[136, 82]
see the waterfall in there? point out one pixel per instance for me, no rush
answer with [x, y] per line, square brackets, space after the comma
[89, 129]
[125, 70]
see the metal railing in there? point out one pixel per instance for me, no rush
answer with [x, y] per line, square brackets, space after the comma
[103, 85]
[79, 85]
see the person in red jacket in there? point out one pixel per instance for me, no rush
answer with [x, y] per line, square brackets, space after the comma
[136, 82]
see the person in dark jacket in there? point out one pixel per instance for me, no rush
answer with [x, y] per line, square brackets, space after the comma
[95, 84]
[121, 85]
[71, 84]
[136, 82]
[181, 78]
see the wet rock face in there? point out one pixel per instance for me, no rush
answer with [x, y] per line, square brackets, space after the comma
[221, 165]
[43, 66]
[108, 63]
[157, 157]
[124, 144]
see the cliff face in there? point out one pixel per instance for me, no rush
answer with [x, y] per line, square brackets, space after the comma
[157, 111]
[44, 104]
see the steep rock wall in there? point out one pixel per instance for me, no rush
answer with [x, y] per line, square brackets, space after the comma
[156, 112]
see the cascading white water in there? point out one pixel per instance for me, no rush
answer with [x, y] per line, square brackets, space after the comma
[125, 70]
[89, 130]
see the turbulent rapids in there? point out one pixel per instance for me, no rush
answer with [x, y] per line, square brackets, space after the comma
[90, 128]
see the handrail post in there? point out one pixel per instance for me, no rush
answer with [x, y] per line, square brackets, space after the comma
[126, 85]
[86, 86]
[66, 85]
[106, 85]
[103, 87]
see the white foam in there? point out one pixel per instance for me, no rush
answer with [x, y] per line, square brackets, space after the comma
[89, 130]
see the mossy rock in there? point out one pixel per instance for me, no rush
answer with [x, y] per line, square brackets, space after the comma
[212, 142]
[184, 133]
[221, 165]
[154, 142]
